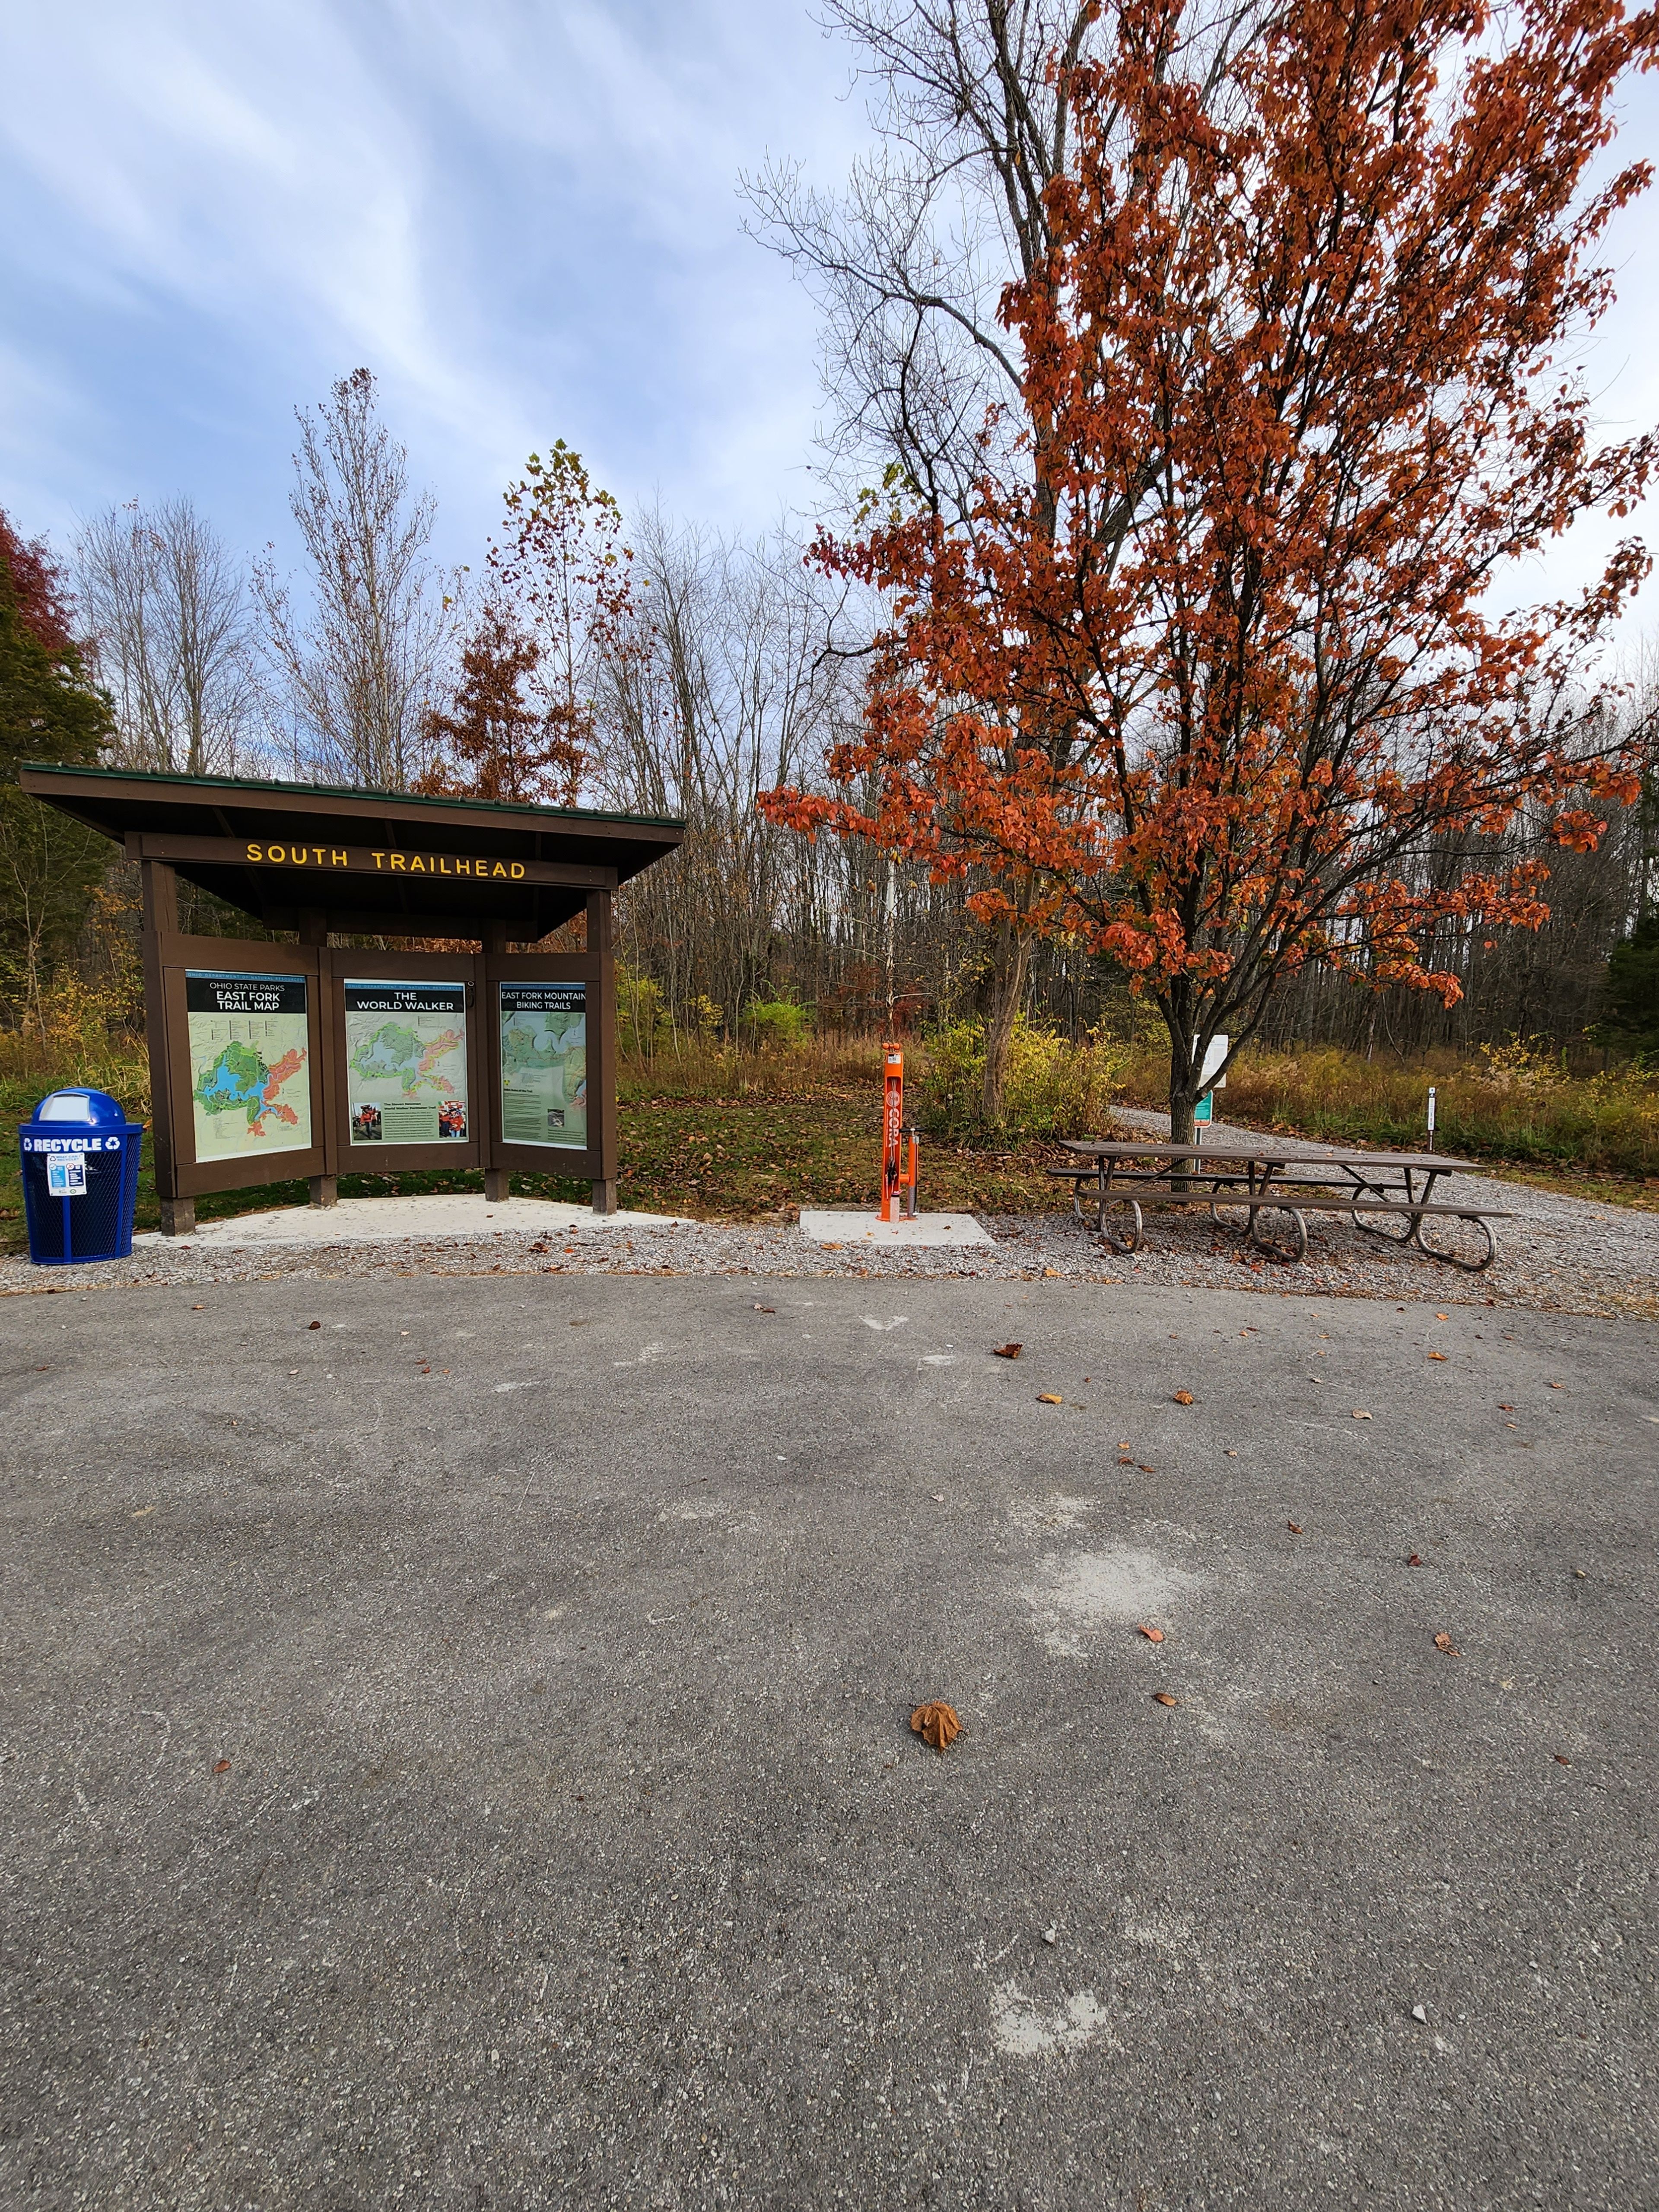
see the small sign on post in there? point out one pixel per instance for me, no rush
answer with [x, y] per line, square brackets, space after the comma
[1431, 1109]
[1210, 1081]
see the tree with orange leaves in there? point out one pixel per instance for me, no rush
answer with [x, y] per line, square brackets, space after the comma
[495, 743]
[1203, 682]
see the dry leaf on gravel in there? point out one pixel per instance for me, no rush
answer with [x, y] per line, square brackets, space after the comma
[1438, 1355]
[936, 1723]
[1561, 1759]
[1152, 1635]
[223, 1767]
[1295, 1527]
[1162, 1697]
[1358, 1416]
[313, 1324]
[1414, 1561]
[1049, 1398]
[1183, 1398]
[1443, 1642]
[1007, 1352]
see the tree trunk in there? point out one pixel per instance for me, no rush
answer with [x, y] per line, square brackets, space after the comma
[1013, 959]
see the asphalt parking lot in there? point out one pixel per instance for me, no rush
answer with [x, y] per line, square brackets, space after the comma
[456, 1754]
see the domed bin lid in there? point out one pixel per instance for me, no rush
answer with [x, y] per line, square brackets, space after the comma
[76, 1107]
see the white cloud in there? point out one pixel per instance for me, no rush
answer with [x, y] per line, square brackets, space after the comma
[523, 218]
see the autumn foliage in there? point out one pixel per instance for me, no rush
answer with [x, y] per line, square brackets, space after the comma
[558, 602]
[1199, 685]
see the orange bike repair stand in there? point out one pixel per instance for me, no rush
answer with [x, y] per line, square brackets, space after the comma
[898, 1174]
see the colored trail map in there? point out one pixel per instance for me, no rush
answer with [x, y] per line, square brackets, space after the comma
[250, 1055]
[406, 1062]
[545, 1064]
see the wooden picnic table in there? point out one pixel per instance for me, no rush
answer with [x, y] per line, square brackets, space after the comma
[1271, 1176]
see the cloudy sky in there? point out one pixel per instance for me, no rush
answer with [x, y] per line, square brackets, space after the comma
[521, 214]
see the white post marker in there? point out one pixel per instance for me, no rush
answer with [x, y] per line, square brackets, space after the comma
[1431, 1110]
[1209, 1083]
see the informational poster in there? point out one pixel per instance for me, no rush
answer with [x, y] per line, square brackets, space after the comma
[250, 1063]
[545, 1064]
[406, 1062]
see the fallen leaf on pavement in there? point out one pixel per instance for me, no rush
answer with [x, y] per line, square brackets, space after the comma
[1295, 1527]
[223, 1767]
[1414, 1561]
[1007, 1352]
[1162, 1697]
[1183, 1398]
[1437, 1355]
[313, 1324]
[1049, 1398]
[1154, 1635]
[1051, 1270]
[1443, 1642]
[1561, 1759]
[1358, 1416]
[936, 1723]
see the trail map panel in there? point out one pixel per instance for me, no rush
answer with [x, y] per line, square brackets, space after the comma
[250, 1064]
[545, 1064]
[406, 1063]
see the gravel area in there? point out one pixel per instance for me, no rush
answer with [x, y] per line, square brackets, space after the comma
[1559, 1254]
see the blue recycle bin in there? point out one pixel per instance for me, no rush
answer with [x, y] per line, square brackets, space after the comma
[79, 1178]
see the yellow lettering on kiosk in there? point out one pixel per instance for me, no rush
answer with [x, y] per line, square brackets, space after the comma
[517, 869]
[254, 853]
[397, 861]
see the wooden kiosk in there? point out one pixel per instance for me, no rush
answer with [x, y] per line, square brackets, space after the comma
[274, 1060]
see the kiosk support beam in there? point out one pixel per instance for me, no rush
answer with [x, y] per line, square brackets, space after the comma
[314, 930]
[160, 885]
[602, 1042]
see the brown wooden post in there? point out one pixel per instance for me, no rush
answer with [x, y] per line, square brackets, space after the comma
[314, 930]
[602, 1052]
[160, 902]
[495, 1178]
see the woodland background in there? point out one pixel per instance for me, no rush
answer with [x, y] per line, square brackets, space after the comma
[649, 667]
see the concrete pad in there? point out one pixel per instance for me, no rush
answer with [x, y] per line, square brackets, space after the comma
[858, 1227]
[459, 1215]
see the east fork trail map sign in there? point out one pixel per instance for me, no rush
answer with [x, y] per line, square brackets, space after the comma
[545, 1064]
[249, 1050]
[406, 1062]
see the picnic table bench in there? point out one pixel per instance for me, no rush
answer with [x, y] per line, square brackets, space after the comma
[1388, 1194]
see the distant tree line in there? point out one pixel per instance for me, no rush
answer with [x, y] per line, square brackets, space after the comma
[646, 664]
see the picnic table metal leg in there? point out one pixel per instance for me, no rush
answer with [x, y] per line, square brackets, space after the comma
[1133, 1230]
[1299, 1228]
[1365, 1187]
